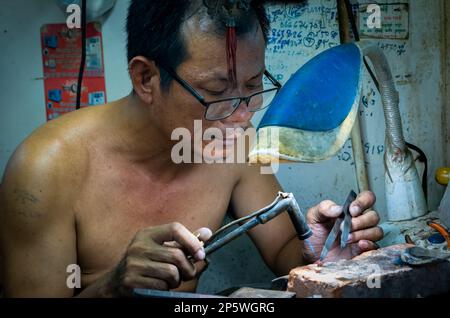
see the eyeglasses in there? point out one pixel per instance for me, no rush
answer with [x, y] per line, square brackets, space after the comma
[223, 108]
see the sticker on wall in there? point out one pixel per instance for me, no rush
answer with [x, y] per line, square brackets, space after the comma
[61, 58]
[384, 21]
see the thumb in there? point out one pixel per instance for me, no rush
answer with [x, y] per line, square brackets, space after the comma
[203, 234]
[323, 212]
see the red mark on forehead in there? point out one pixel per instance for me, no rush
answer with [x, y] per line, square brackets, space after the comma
[231, 55]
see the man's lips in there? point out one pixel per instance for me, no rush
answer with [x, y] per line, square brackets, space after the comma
[231, 135]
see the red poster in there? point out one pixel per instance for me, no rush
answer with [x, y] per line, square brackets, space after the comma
[61, 57]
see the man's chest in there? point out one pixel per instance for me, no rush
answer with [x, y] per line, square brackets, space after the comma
[114, 206]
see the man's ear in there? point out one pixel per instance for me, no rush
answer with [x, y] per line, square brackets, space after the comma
[145, 78]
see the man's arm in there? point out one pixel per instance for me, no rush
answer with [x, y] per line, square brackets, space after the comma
[37, 227]
[276, 240]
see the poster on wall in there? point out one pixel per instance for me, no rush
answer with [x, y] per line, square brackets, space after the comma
[61, 58]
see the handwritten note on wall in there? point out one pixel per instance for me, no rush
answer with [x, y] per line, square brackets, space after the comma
[394, 20]
[299, 32]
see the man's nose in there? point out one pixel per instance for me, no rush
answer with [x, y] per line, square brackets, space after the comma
[241, 114]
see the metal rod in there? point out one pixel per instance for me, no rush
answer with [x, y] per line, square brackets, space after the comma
[225, 227]
[288, 203]
[231, 236]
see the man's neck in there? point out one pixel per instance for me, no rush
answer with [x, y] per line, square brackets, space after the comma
[142, 142]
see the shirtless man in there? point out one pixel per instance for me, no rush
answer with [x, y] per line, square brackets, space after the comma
[98, 187]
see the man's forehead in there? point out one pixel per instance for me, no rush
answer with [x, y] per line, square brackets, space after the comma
[207, 47]
[200, 31]
[207, 64]
[220, 73]
[201, 21]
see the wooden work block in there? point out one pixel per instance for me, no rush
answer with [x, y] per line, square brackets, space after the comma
[379, 273]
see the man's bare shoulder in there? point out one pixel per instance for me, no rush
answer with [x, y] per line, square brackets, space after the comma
[37, 206]
[52, 159]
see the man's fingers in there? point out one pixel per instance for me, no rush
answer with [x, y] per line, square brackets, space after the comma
[373, 234]
[172, 244]
[203, 234]
[362, 247]
[329, 210]
[365, 246]
[176, 257]
[149, 268]
[323, 212]
[164, 271]
[181, 235]
[364, 201]
[139, 281]
[365, 221]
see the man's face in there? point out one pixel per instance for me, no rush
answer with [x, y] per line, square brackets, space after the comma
[205, 69]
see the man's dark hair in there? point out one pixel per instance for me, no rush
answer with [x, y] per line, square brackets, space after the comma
[154, 29]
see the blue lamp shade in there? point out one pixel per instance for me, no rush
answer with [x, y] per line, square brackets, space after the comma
[315, 110]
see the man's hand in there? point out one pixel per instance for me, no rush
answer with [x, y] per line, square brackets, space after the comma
[364, 231]
[157, 258]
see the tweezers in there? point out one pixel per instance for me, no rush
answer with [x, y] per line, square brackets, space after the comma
[345, 218]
